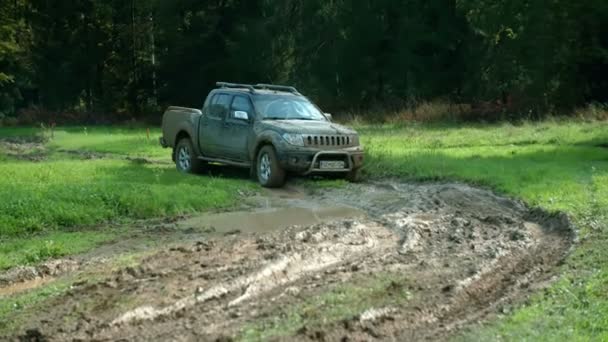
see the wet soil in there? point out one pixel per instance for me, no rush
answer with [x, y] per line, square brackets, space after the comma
[30, 148]
[462, 254]
[35, 149]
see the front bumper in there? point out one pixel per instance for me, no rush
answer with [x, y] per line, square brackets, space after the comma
[309, 162]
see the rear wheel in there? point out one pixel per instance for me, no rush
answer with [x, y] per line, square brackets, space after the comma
[185, 157]
[269, 172]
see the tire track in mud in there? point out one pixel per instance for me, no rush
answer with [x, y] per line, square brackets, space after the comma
[464, 251]
[286, 269]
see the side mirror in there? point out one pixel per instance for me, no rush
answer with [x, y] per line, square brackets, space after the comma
[328, 116]
[241, 115]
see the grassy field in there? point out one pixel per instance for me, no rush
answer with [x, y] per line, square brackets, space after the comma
[88, 178]
[556, 165]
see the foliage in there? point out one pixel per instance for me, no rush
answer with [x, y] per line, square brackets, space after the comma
[544, 54]
[104, 61]
[14, 70]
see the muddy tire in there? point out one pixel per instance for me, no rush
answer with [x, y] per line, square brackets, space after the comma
[185, 158]
[353, 176]
[269, 172]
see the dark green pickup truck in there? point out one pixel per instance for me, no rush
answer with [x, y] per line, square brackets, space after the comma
[268, 128]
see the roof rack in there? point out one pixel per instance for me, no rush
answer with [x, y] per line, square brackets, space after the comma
[252, 88]
[235, 85]
[277, 87]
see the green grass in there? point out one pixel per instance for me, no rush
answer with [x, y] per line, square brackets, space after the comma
[19, 131]
[70, 193]
[556, 165]
[120, 141]
[66, 192]
[19, 250]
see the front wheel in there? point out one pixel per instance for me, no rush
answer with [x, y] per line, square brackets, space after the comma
[185, 158]
[353, 176]
[269, 172]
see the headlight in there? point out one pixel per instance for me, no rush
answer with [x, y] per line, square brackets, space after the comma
[294, 139]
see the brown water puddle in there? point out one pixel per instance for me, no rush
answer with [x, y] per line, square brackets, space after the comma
[271, 219]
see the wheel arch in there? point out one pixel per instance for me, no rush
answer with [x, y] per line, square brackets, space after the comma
[266, 138]
[181, 135]
[258, 147]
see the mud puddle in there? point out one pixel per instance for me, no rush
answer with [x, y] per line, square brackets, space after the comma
[268, 220]
[387, 261]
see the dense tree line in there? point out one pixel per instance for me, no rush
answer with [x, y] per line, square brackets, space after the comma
[129, 58]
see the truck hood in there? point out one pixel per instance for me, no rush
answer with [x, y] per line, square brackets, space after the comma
[307, 127]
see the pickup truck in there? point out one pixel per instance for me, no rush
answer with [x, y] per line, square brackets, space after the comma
[270, 129]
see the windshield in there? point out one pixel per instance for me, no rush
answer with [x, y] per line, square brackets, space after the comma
[287, 108]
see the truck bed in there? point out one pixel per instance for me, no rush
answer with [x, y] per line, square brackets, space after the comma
[179, 119]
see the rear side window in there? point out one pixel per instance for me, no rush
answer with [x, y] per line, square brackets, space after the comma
[219, 106]
[241, 103]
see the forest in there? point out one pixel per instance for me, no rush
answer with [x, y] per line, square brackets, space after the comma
[114, 60]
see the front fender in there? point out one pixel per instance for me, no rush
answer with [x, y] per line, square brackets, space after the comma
[264, 138]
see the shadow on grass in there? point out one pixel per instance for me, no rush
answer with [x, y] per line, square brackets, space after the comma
[226, 171]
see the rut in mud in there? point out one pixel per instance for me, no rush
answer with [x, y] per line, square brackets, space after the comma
[411, 261]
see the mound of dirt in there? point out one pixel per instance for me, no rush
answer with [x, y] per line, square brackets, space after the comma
[465, 253]
[50, 268]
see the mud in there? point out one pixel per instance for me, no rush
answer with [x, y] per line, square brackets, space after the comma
[31, 148]
[268, 220]
[24, 285]
[35, 274]
[34, 149]
[462, 255]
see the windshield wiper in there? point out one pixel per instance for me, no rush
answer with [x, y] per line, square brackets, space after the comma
[274, 118]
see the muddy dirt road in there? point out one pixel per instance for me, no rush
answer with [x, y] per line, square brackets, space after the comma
[387, 261]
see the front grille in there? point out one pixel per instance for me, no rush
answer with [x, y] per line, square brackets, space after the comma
[330, 140]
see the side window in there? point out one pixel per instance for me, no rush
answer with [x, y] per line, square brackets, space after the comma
[241, 103]
[219, 106]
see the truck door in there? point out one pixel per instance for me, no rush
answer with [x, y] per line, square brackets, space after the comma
[237, 128]
[212, 125]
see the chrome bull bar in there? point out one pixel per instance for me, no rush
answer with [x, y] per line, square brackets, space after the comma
[346, 155]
